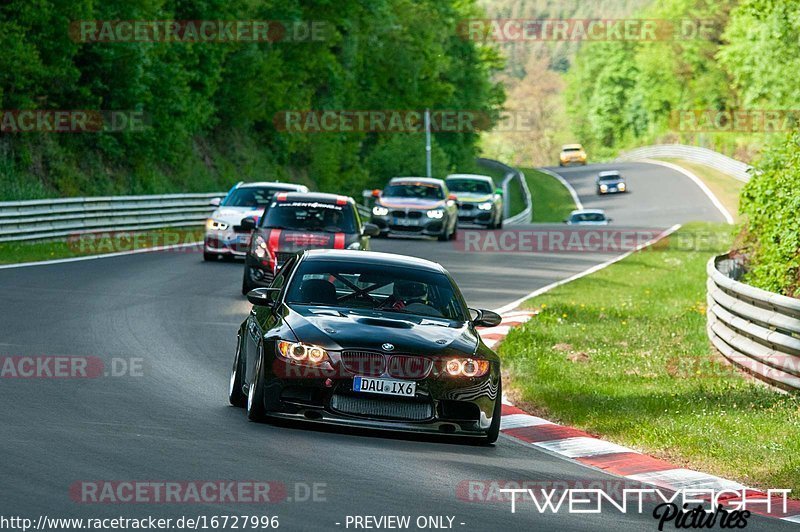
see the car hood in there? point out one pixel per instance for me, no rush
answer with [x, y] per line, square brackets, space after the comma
[235, 215]
[363, 329]
[287, 240]
[410, 203]
[471, 197]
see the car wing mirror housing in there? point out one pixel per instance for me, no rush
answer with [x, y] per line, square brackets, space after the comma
[498, 191]
[215, 202]
[248, 224]
[263, 297]
[486, 318]
[371, 229]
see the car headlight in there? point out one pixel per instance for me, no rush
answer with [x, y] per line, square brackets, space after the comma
[603, 188]
[300, 352]
[485, 206]
[466, 367]
[354, 245]
[378, 210]
[621, 186]
[259, 247]
[215, 225]
[435, 213]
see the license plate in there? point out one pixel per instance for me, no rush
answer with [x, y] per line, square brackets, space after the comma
[384, 386]
[404, 221]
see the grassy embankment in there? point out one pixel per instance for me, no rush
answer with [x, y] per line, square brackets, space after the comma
[623, 354]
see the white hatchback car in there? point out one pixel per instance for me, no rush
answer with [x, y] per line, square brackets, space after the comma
[587, 217]
[224, 234]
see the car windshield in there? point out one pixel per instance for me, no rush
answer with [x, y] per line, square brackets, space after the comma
[610, 177]
[588, 217]
[474, 186]
[571, 149]
[414, 190]
[376, 287]
[310, 216]
[250, 197]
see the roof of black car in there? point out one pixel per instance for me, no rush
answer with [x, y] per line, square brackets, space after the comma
[320, 197]
[373, 257]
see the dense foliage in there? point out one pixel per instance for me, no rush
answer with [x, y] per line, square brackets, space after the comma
[771, 203]
[210, 106]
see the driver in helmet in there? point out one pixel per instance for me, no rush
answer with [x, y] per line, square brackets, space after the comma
[406, 293]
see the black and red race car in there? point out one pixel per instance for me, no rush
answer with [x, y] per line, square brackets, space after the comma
[296, 221]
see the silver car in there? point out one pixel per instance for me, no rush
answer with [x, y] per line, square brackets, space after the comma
[224, 235]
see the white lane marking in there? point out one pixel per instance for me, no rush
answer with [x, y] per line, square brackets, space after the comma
[95, 257]
[570, 188]
[584, 273]
[515, 421]
[697, 181]
[582, 446]
[686, 479]
[793, 519]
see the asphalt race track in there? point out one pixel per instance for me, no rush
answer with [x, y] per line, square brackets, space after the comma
[179, 315]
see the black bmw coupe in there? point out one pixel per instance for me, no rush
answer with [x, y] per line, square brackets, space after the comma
[371, 340]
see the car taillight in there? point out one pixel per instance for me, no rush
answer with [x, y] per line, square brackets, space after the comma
[466, 367]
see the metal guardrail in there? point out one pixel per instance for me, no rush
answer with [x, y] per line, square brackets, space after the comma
[723, 163]
[511, 175]
[757, 330]
[55, 218]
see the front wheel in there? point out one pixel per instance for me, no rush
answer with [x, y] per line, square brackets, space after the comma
[235, 394]
[246, 286]
[494, 428]
[209, 256]
[255, 393]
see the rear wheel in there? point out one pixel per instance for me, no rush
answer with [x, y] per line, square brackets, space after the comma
[235, 394]
[255, 393]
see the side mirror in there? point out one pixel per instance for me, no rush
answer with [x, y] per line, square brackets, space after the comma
[369, 229]
[452, 197]
[376, 193]
[565, 222]
[248, 224]
[486, 318]
[609, 220]
[263, 297]
[215, 202]
[498, 191]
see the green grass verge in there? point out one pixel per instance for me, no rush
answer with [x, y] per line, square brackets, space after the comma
[16, 252]
[552, 202]
[725, 188]
[623, 353]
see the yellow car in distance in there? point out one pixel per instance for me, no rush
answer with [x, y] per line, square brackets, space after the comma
[572, 153]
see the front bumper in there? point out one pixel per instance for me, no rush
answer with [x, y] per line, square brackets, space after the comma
[612, 189]
[409, 224]
[461, 407]
[227, 242]
[471, 214]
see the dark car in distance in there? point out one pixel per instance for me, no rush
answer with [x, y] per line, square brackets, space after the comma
[416, 206]
[368, 340]
[294, 222]
[610, 182]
